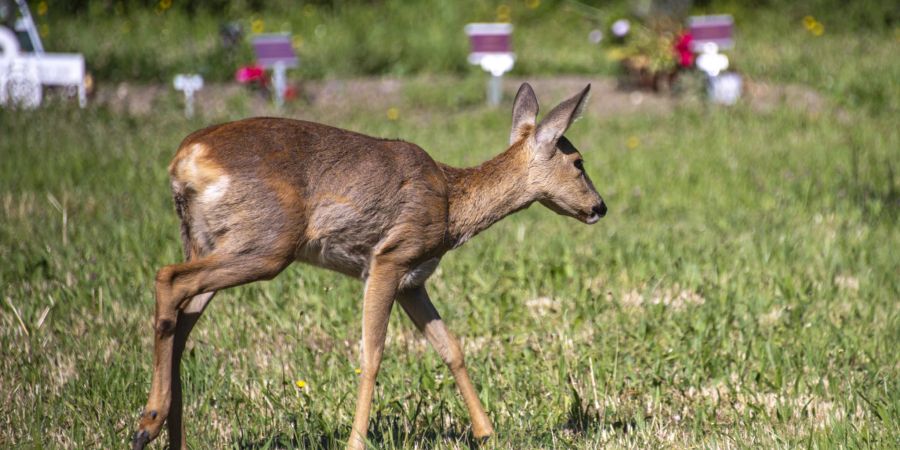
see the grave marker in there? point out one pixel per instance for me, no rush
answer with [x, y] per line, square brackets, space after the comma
[718, 29]
[188, 83]
[711, 34]
[274, 51]
[491, 48]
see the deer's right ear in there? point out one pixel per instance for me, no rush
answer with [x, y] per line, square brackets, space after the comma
[524, 114]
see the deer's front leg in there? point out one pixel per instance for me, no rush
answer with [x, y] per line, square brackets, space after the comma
[422, 312]
[381, 287]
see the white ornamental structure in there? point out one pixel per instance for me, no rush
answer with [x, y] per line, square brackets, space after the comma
[23, 75]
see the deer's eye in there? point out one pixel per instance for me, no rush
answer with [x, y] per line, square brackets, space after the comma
[579, 164]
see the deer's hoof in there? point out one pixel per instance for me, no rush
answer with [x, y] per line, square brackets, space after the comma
[149, 427]
[140, 440]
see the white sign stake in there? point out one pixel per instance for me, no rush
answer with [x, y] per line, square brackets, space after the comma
[188, 83]
[279, 82]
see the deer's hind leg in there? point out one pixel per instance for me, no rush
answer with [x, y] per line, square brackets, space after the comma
[419, 308]
[187, 318]
[176, 287]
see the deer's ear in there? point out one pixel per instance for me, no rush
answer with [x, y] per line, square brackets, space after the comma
[524, 114]
[559, 119]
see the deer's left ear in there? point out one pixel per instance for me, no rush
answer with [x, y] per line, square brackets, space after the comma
[559, 119]
[524, 114]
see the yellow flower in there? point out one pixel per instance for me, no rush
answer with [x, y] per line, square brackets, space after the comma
[809, 22]
[42, 8]
[393, 113]
[813, 26]
[300, 384]
[257, 26]
[357, 370]
[503, 13]
[297, 41]
[818, 29]
[165, 4]
[532, 4]
[632, 142]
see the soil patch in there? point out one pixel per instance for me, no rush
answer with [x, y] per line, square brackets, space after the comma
[335, 97]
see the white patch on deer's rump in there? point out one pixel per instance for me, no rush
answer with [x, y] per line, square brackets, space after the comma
[186, 167]
[215, 190]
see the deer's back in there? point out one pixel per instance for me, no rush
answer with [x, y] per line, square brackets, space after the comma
[328, 196]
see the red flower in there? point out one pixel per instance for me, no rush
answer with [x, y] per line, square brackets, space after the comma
[250, 74]
[683, 49]
[290, 93]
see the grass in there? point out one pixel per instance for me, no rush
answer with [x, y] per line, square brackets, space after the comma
[743, 291]
[343, 39]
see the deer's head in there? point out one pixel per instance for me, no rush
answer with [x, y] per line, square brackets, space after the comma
[556, 172]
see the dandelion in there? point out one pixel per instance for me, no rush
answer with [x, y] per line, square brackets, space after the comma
[812, 25]
[809, 22]
[257, 26]
[503, 13]
[300, 384]
[818, 29]
[393, 113]
[632, 142]
[357, 371]
[42, 8]
[532, 4]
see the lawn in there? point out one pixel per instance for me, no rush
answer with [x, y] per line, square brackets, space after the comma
[742, 292]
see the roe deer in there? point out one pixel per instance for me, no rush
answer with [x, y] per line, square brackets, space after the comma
[258, 194]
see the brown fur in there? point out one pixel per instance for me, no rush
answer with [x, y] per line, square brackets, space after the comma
[258, 194]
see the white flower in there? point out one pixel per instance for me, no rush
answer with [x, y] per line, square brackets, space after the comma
[621, 27]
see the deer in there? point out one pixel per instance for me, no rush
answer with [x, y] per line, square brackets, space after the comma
[258, 194]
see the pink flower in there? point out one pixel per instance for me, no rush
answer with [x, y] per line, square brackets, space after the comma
[683, 49]
[250, 74]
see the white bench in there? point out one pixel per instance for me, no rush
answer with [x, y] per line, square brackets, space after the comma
[23, 75]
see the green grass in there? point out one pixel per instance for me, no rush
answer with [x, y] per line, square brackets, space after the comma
[742, 292]
[343, 39]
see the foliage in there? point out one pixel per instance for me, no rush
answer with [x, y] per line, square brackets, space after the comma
[651, 47]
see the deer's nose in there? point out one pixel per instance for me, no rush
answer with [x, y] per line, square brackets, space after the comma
[600, 209]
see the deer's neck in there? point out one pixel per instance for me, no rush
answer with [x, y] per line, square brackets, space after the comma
[481, 196]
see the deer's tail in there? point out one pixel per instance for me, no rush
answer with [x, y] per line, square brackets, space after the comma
[189, 246]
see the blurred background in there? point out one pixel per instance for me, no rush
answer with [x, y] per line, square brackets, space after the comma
[742, 292]
[804, 42]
